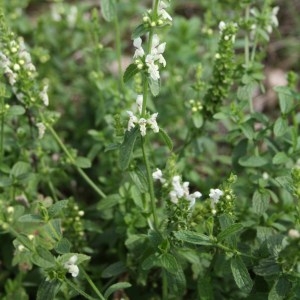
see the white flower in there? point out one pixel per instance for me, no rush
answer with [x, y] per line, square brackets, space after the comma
[192, 198]
[215, 195]
[162, 12]
[294, 234]
[274, 20]
[41, 128]
[222, 26]
[157, 175]
[173, 197]
[139, 103]
[71, 266]
[152, 67]
[139, 52]
[152, 122]
[132, 120]
[12, 77]
[143, 123]
[44, 96]
[72, 16]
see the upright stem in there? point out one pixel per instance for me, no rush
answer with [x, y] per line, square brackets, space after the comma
[79, 290]
[150, 183]
[164, 285]
[72, 160]
[89, 280]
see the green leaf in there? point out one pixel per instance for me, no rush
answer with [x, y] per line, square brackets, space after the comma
[280, 289]
[130, 71]
[48, 289]
[108, 202]
[197, 120]
[140, 180]
[108, 9]
[5, 182]
[280, 127]
[116, 287]
[150, 262]
[29, 218]
[248, 131]
[267, 267]
[253, 161]
[139, 31]
[63, 246]
[15, 110]
[169, 263]
[55, 209]
[127, 146]
[83, 162]
[114, 270]
[43, 258]
[205, 288]
[240, 274]
[229, 231]
[53, 229]
[260, 201]
[280, 158]
[166, 138]
[176, 283]
[285, 98]
[154, 86]
[20, 168]
[193, 238]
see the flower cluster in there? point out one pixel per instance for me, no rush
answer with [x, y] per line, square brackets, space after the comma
[71, 266]
[152, 59]
[215, 195]
[266, 20]
[179, 190]
[162, 18]
[142, 122]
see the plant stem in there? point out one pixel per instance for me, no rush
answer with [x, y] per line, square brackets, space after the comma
[150, 183]
[78, 290]
[89, 280]
[164, 285]
[72, 160]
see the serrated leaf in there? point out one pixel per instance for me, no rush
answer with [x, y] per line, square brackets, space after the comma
[48, 289]
[140, 180]
[15, 110]
[285, 98]
[83, 162]
[114, 269]
[127, 146]
[116, 287]
[151, 262]
[280, 289]
[43, 258]
[63, 246]
[29, 218]
[176, 282]
[205, 288]
[240, 274]
[166, 138]
[169, 263]
[248, 131]
[253, 161]
[139, 31]
[260, 201]
[108, 202]
[55, 209]
[280, 127]
[130, 71]
[108, 9]
[229, 231]
[267, 267]
[154, 86]
[193, 238]
[280, 158]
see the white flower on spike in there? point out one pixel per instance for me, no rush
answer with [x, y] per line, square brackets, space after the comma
[132, 120]
[274, 19]
[139, 52]
[71, 266]
[143, 123]
[215, 195]
[222, 26]
[152, 122]
[152, 67]
[157, 175]
[139, 103]
[12, 77]
[157, 50]
[44, 95]
[192, 198]
[162, 12]
[173, 197]
[4, 61]
[41, 129]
